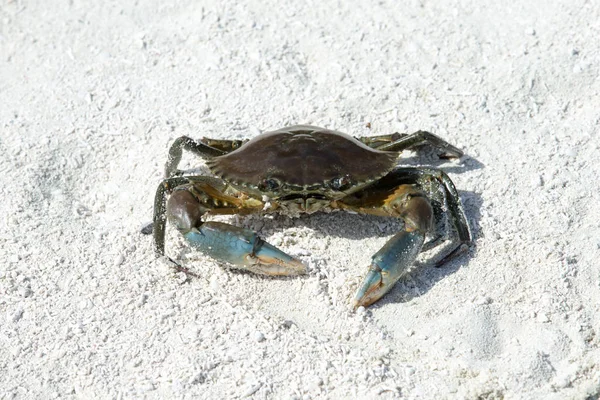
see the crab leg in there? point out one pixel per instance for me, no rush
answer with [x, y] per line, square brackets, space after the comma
[402, 141]
[224, 145]
[186, 143]
[380, 140]
[415, 195]
[399, 253]
[243, 249]
[193, 197]
[442, 190]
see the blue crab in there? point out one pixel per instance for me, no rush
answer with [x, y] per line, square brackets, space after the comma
[304, 169]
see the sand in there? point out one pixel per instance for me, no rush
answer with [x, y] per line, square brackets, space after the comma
[93, 93]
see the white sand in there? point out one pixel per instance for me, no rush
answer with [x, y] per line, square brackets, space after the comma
[91, 97]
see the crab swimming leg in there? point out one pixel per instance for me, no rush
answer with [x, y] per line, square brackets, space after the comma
[406, 193]
[190, 199]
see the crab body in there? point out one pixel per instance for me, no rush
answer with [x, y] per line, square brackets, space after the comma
[304, 169]
[303, 160]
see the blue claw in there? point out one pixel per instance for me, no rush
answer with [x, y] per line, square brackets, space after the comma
[388, 265]
[243, 249]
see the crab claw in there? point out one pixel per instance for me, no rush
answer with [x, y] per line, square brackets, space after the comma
[243, 249]
[388, 265]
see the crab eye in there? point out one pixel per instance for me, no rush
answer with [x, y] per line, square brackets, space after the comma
[342, 183]
[269, 185]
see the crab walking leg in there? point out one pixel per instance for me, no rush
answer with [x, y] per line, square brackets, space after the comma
[224, 145]
[186, 143]
[441, 184]
[238, 246]
[398, 254]
[380, 140]
[401, 141]
[159, 221]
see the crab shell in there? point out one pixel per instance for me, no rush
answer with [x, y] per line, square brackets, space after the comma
[303, 160]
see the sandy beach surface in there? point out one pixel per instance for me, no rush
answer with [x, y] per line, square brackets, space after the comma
[93, 93]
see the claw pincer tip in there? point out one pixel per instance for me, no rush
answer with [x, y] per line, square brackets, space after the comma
[388, 265]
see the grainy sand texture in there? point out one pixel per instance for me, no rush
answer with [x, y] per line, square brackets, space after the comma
[92, 93]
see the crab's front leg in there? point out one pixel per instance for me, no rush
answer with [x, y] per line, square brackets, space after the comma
[399, 253]
[237, 246]
[418, 196]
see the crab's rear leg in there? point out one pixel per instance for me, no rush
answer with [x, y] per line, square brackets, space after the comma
[402, 141]
[407, 193]
[193, 197]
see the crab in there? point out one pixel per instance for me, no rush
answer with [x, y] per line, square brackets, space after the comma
[304, 169]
